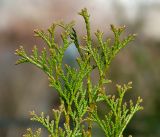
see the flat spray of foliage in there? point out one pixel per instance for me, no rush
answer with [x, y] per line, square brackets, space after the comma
[77, 93]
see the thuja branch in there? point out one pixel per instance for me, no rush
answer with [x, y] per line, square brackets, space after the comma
[77, 93]
[85, 15]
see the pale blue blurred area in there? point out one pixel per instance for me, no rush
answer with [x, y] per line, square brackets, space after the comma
[70, 56]
[24, 87]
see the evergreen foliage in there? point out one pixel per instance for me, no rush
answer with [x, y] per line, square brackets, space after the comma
[77, 93]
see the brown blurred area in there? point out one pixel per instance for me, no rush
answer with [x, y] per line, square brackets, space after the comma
[24, 87]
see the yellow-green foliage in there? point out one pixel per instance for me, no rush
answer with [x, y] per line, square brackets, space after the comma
[31, 134]
[77, 94]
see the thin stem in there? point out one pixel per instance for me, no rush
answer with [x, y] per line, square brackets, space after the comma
[90, 102]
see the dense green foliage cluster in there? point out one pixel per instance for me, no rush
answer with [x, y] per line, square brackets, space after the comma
[77, 93]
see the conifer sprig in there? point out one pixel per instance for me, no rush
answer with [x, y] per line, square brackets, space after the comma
[120, 113]
[77, 94]
[30, 133]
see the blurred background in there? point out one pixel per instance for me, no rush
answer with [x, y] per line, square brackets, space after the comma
[24, 87]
